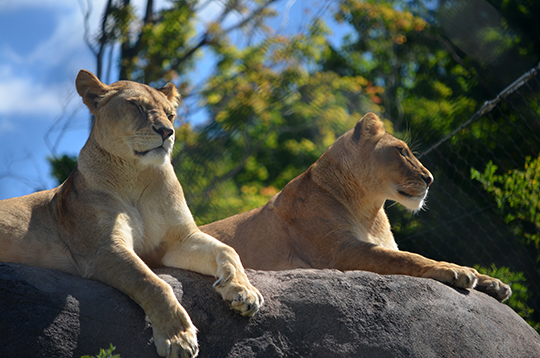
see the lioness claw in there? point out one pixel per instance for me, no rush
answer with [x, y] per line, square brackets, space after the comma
[247, 302]
[493, 287]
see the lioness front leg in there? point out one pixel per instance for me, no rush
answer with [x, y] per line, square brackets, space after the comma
[174, 334]
[360, 255]
[204, 254]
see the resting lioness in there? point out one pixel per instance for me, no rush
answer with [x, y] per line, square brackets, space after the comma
[123, 208]
[332, 215]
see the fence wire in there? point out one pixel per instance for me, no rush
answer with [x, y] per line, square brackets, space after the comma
[464, 223]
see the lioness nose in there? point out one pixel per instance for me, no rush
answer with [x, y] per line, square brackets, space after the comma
[428, 179]
[164, 132]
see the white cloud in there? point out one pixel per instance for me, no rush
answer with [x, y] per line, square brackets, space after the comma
[21, 96]
[37, 84]
[67, 41]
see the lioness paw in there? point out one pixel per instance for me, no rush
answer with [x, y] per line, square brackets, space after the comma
[493, 287]
[180, 345]
[453, 275]
[241, 296]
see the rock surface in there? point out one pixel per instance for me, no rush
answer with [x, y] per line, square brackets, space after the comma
[308, 313]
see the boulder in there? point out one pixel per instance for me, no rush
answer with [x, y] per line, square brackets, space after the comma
[307, 313]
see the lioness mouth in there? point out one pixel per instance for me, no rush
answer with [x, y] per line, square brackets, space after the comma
[143, 153]
[405, 194]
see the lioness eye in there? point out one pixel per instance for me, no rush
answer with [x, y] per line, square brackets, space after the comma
[138, 105]
[170, 117]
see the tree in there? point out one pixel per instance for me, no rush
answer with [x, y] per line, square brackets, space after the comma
[263, 96]
[162, 45]
[271, 117]
[274, 103]
[518, 200]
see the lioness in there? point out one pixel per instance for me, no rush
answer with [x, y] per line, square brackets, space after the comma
[332, 215]
[123, 208]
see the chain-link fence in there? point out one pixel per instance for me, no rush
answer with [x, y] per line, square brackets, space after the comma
[466, 223]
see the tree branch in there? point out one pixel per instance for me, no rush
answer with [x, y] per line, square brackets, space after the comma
[86, 17]
[103, 39]
[206, 39]
[129, 52]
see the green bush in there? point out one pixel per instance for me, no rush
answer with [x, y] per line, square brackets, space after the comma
[105, 353]
[520, 295]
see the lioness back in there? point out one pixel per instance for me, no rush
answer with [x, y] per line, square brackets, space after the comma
[31, 219]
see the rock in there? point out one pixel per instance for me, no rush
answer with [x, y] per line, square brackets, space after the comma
[308, 313]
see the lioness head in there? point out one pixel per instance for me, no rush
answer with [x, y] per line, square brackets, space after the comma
[382, 164]
[133, 121]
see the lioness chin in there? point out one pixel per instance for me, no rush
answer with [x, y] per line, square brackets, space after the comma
[122, 208]
[332, 215]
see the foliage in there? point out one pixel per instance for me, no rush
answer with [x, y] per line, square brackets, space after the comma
[271, 117]
[62, 167]
[277, 103]
[518, 198]
[520, 294]
[163, 46]
[105, 353]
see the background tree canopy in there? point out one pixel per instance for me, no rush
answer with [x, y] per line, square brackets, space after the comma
[269, 104]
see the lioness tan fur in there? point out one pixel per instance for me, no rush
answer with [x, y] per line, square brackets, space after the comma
[123, 209]
[332, 215]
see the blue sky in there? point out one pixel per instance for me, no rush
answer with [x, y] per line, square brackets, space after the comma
[41, 52]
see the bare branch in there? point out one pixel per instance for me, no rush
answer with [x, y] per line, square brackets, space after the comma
[255, 13]
[206, 39]
[35, 183]
[86, 15]
[460, 61]
[103, 39]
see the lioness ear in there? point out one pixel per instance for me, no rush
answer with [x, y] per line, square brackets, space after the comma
[169, 90]
[369, 126]
[90, 88]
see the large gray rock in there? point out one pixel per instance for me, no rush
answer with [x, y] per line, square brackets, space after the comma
[308, 313]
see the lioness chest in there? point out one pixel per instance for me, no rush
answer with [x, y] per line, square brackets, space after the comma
[152, 227]
[144, 215]
[141, 228]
